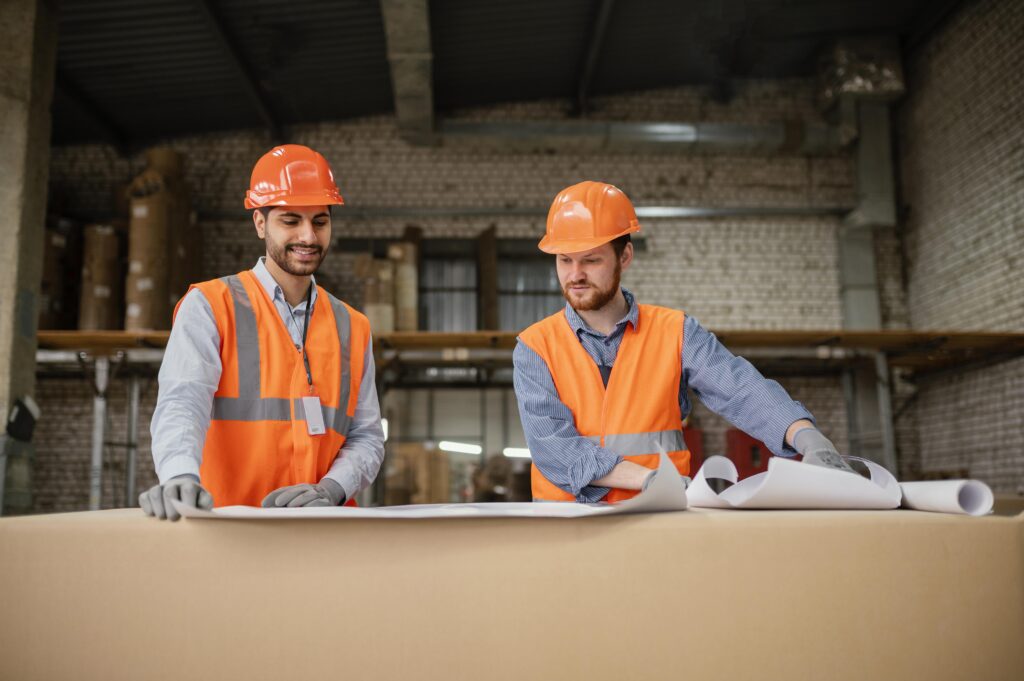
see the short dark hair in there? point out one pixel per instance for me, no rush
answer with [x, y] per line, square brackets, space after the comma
[619, 244]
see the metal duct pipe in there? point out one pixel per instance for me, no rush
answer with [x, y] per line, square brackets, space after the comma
[789, 137]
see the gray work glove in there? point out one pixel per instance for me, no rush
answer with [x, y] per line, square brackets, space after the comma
[818, 450]
[327, 493]
[156, 501]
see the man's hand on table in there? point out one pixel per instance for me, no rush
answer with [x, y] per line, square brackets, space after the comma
[156, 501]
[327, 493]
[818, 450]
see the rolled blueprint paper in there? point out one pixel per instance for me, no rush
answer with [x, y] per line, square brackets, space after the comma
[699, 493]
[967, 497]
[792, 484]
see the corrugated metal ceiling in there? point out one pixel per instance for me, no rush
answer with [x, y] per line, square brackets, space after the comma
[136, 70]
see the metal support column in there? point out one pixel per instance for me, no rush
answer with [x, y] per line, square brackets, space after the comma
[99, 420]
[132, 440]
[483, 426]
[883, 385]
[866, 391]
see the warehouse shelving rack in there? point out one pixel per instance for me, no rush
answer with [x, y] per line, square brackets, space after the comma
[484, 358]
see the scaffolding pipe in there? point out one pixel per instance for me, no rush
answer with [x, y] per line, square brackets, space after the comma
[99, 418]
[885, 413]
[132, 440]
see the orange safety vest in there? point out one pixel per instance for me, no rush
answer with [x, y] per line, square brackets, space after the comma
[258, 439]
[638, 411]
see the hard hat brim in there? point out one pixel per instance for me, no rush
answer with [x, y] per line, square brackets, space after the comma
[559, 246]
[298, 200]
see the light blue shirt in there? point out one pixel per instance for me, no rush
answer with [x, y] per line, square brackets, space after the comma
[190, 374]
[728, 385]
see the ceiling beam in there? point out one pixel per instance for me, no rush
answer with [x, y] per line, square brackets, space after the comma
[245, 74]
[407, 28]
[598, 31]
[108, 128]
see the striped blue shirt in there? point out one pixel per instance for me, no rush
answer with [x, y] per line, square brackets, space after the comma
[727, 385]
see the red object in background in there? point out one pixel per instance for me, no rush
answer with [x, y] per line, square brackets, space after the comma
[695, 443]
[749, 455]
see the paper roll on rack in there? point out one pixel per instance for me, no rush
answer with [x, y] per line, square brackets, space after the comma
[966, 497]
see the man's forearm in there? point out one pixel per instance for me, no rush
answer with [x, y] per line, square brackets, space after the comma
[625, 475]
[794, 429]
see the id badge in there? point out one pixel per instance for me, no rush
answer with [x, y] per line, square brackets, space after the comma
[314, 415]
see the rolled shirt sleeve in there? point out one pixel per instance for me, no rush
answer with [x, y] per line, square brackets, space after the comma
[567, 459]
[731, 387]
[360, 458]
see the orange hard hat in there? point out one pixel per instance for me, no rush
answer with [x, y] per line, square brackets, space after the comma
[292, 175]
[586, 215]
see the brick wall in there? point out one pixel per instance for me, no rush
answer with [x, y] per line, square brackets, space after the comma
[63, 440]
[961, 139]
[736, 273]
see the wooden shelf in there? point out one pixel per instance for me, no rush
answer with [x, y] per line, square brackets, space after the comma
[915, 350]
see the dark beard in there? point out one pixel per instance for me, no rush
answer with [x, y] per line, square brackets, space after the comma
[602, 298]
[280, 256]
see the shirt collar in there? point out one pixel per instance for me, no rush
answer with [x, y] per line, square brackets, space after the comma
[271, 286]
[632, 316]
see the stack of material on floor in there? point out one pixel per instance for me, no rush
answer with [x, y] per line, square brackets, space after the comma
[400, 478]
[502, 479]
[163, 243]
[417, 475]
[58, 291]
[405, 256]
[378, 292]
[100, 307]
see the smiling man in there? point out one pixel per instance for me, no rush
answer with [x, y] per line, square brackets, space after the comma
[267, 392]
[602, 384]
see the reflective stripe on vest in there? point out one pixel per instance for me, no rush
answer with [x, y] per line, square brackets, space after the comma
[337, 419]
[253, 407]
[636, 444]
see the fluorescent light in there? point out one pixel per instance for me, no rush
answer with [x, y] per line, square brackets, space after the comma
[460, 447]
[384, 425]
[517, 452]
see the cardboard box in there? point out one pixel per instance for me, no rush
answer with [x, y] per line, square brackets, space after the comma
[58, 287]
[417, 475]
[405, 257]
[379, 295]
[101, 304]
[703, 595]
[164, 249]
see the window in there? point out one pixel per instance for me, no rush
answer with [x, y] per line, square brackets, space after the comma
[528, 291]
[448, 294]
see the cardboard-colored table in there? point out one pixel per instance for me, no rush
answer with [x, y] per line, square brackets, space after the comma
[693, 595]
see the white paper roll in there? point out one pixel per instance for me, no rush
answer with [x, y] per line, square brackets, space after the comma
[967, 497]
[795, 485]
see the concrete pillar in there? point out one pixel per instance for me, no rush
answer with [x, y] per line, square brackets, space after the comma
[407, 28]
[28, 54]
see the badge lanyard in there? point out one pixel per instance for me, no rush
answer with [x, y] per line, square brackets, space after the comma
[305, 331]
[310, 404]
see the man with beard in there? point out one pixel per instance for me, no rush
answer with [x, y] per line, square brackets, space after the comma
[267, 391]
[595, 433]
